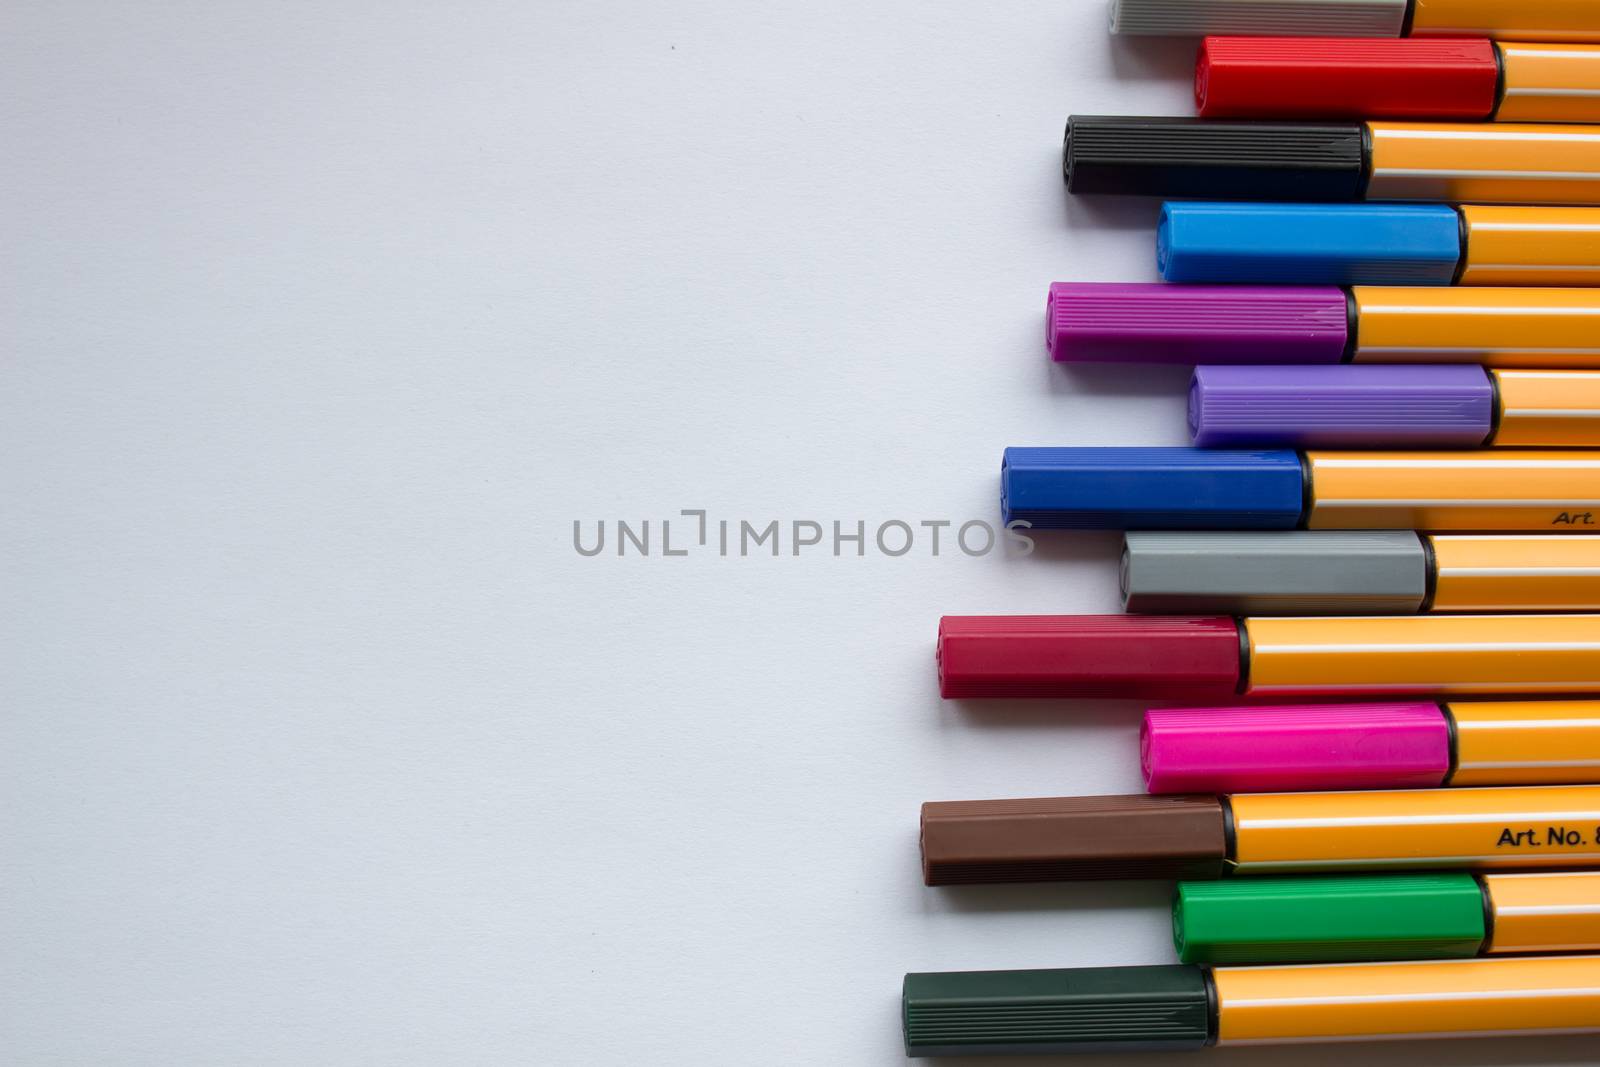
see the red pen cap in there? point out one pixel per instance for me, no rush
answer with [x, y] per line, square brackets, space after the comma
[1345, 77]
[1148, 656]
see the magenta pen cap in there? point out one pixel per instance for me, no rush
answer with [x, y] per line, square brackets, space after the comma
[1345, 406]
[1294, 748]
[1141, 322]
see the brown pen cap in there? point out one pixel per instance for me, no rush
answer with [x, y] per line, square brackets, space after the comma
[1059, 839]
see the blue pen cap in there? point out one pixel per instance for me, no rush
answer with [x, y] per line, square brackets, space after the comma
[1306, 244]
[1152, 488]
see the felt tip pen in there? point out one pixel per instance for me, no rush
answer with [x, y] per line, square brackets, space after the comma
[1265, 243]
[1198, 836]
[1399, 745]
[1218, 657]
[1149, 322]
[1426, 916]
[1524, 20]
[1358, 572]
[1393, 406]
[1178, 1006]
[1460, 79]
[1134, 488]
[1244, 159]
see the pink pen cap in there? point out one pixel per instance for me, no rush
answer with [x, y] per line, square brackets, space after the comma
[1295, 748]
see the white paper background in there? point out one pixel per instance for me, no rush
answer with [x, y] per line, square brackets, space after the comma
[324, 321]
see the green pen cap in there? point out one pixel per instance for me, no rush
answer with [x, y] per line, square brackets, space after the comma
[1317, 920]
[1086, 1009]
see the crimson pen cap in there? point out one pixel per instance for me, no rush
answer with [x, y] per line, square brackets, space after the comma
[1149, 656]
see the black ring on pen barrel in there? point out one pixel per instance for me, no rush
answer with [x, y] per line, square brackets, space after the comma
[1430, 575]
[1244, 657]
[1352, 324]
[1454, 731]
[1495, 409]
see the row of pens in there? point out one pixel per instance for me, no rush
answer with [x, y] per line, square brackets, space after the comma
[1424, 862]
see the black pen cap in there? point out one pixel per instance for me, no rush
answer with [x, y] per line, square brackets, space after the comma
[1300, 161]
[1089, 1009]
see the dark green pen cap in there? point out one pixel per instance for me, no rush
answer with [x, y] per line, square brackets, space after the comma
[1088, 1009]
[1309, 920]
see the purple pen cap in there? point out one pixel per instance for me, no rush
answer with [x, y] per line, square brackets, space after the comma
[1144, 322]
[1444, 406]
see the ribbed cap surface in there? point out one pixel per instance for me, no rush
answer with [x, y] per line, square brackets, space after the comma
[1147, 322]
[1156, 657]
[1151, 488]
[1345, 77]
[1294, 748]
[1311, 920]
[1146, 156]
[1346, 406]
[1274, 572]
[1308, 244]
[1056, 839]
[1091, 1009]
[1290, 18]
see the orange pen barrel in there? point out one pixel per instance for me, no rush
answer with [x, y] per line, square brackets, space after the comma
[1455, 655]
[1506, 20]
[1528, 327]
[1437, 998]
[1549, 83]
[1521, 246]
[1525, 742]
[1546, 409]
[1514, 572]
[1495, 163]
[1507, 827]
[1545, 912]
[1547, 491]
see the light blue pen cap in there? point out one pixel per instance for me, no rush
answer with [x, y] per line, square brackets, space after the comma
[1308, 244]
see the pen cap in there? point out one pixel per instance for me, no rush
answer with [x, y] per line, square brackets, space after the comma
[1547, 408]
[1294, 748]
[1530, 246]
[1056, 839]
[1502, 489]
[1151, 488]
[1531, 327]
[1526, 742]
[1545, 912]
[1274, 572]
[1087, 656]
[1301, 18]
[1143, 322]
[1089, 1009]
[1484, 163]
[1325, 919]
[1456, 655]
[1550, 83]
[1445, 406]
[1148, 156]
[1516, 572]
[1308, 244]
[1524, 20]
[1294, 1003]
[1345, 77]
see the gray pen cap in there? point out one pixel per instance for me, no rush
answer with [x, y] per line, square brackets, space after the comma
[1275, 572]
[1274, 18]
